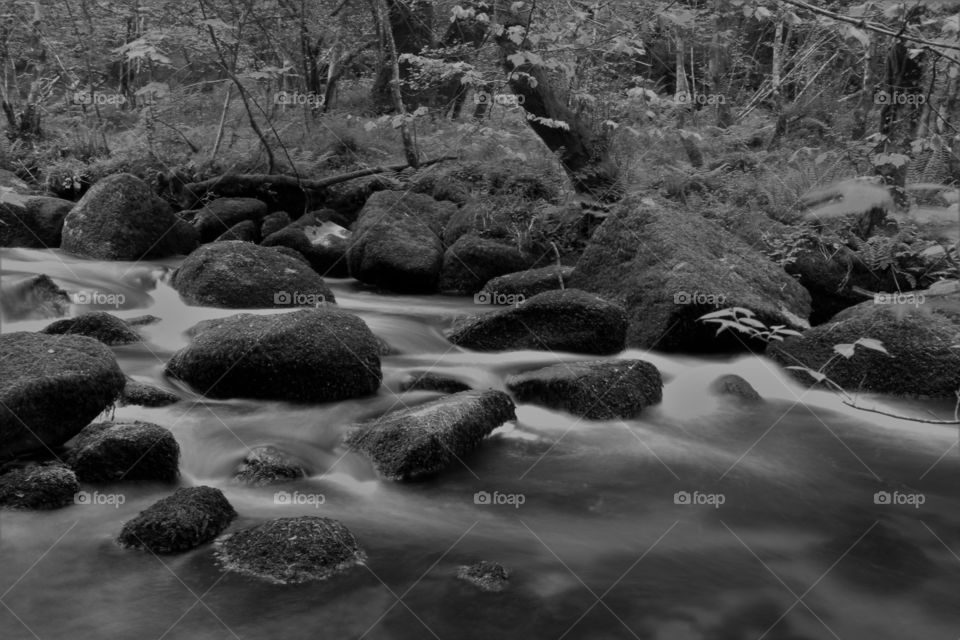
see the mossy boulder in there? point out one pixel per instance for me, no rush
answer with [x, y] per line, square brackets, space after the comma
[145, 395]
[125, 451]
[273, 223]
[530, 282]
[412, 443]
[568, 320]
[51, 387]
[669, 266]
[32, 221]
[187, 519]
[241, 275]
[309, 355]
[601, 390]
[323, 246]
[219, 215]
[290, 550]
[246, 231]
[98, 325]
[473, 260]
[121, 218]
[268, 465]
[36, 486]
[396, 241]
[921, 339]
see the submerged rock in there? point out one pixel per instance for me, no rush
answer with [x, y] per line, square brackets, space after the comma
[188, 518]
[487, 576]
[291, 550]
[121, 218]
[268, 465]
[310, 355]
[35, 486]
[426, 381]
[569, 320]
[98, 325]
[51, 387]
[601, 390]
[145, 395]
[125, 451]
[416, 442]
[735, 386]
[32, 298]
[242, 275]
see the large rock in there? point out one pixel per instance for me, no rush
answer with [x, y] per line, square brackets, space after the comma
[290, 550]
[487, 576]
[48, 486]
[396, 241]
[145, 395]
[323, 246]
[125, 451]
[311, 355]
[922, 340]
[51, 387]
[530, 282]
[241, 275]
[32, 298]
[473, 260]
[188, 518]
[246, 231]
[32, 221]
[99, 325]
[121, 218]
[668, 267]
[219, 215]
[421, 441]
[567, 320]
[273, 223]
[601, 390]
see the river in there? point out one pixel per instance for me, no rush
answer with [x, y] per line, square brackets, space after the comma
[705, 518]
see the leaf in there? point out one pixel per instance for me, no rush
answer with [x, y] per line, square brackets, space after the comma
[722, 313]
[816, 375]
[845, 350]
[753, 322]
[870, 343]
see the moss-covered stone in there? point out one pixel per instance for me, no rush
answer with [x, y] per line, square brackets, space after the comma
[219, 215]
[32, 221]
[530, 282]
[601, 390]
[268, 465]
[569, 320]
[486, 576]
[426, 381]
[241, 275]
[411, 443]
[125, 451]
[48, 486]
[324, 246]
[246, 231]
[922, 340]
[311, 355]
[51, 387]
[180, 522]
[121, 218]
[396, 241]
[669, 266]
[145, 395]
[273, 223]
[291, 550]
[473, 260]
[98, 325]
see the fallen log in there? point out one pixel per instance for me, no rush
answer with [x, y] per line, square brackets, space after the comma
[289, 193]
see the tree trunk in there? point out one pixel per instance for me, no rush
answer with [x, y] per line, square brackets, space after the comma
[411, 28]
[582, 152]
[776, 82]
[409, 146]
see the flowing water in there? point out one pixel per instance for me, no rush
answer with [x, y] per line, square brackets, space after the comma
[782, 536]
